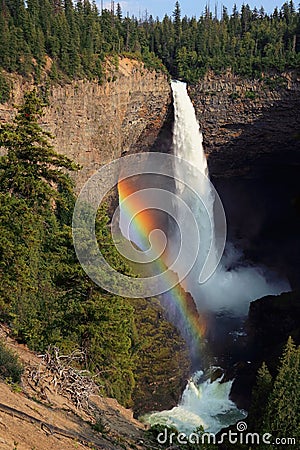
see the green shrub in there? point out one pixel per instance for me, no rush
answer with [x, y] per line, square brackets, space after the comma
[234, 96]
[250, 94]
[99, 426]
[10, 367]
[275, 82]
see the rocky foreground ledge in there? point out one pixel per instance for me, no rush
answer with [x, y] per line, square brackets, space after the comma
[36, 416]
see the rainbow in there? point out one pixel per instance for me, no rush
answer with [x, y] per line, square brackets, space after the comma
[143, 223]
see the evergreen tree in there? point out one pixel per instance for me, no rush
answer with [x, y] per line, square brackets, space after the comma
[177, 22]
[260, 396]
[283, 409]
[31, 169]
[119, 12]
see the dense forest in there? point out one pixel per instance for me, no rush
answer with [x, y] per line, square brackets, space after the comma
[45, 296]
[72, 40]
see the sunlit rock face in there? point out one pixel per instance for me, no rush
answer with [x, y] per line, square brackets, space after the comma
[96, 123]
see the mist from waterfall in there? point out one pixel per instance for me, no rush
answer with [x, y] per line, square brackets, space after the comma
[234, 283]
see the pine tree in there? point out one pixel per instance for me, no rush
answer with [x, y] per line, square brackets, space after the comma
[283, 409]
[260, 396]
[5, 36]
[119, 12]
[31, 169]
[73, 40]
[177, 22]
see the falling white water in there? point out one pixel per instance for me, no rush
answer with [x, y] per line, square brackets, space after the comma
[234, 284]
[187, 138]
[189, 179]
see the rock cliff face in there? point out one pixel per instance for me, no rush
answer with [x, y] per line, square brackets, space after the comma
[94, 124]
[270, 322]
[251, 135]
[243, 120]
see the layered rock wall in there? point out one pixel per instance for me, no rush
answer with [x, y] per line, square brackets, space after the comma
[242, 119]
[94, 124]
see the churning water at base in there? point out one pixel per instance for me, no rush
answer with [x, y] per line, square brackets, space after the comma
[203, 403]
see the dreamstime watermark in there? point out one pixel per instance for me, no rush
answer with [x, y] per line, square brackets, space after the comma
[240, 436]
[161, 199]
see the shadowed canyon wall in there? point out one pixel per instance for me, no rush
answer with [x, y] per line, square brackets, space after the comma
[251, 134]
[242, 119]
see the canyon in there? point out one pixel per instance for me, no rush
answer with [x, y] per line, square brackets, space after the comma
[251, 138]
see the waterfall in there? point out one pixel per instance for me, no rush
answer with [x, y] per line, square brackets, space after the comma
[229, 290]
[187, 146]
[234, 284]
[187, 138]
[203, 403]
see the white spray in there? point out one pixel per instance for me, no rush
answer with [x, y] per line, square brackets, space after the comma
[203, 404]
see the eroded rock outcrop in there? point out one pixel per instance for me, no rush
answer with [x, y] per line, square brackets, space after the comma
[243, 120]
